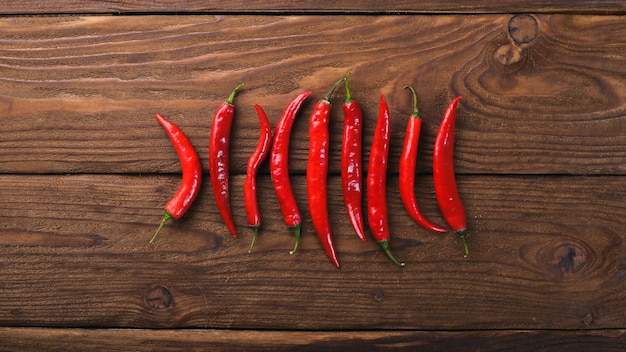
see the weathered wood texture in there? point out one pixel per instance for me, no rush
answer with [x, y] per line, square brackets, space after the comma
[52, 340]
[542, 94]
[276, 6]
[85, 171]
[546, 253]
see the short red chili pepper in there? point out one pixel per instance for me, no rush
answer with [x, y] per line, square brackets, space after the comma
[377, 181]
[189, 187]
[317, 173]
[279, 166]
[351, 177]
[407, 169]
[219, 143]
[255, 160]
[444, 177]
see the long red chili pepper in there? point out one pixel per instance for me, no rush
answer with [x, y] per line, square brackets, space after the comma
[317, 172]
[407, 169]
[377, 181]
[351, 177]
[444, 177]
[249, 185]
[189, 187]
[219, 156]
[279, 166]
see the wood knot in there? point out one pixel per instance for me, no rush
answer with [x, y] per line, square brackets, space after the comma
[378, 295]
[559, 259]
[568, 258]
[523, 29]
[565, 260]
[508, 54]
[588, 319]
[158, 297]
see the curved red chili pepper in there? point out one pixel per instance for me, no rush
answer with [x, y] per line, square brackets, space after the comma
[218, 158]
[377, 181]
[249, 185]
[351, 177]
[407, 169]
[317, 173]
[444, 177]
[279, 166]
[189, 187]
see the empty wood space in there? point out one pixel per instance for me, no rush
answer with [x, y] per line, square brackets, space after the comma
[85, 171]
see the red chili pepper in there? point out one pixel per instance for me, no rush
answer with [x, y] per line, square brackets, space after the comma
[219, 156]
[351, 177]
[189, 187]
[407, 169]
[377, 181]
[249, 185]
[279, 166]
[317, 172]
[444, 176]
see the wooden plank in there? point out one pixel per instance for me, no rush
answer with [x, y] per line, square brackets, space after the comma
[542, 93]
[545, 253]
[34, 339]
[274, 6]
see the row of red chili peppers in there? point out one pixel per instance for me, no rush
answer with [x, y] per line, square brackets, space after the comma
[317, 169]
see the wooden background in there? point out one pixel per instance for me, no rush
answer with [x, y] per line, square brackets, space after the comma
[85, 171]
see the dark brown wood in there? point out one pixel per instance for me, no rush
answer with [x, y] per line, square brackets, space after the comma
[85, 171]
[33, 339]
[277, 7]
[541, 93]
[545, 253]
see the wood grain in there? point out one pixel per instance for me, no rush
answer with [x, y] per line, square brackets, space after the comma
[277, 7]
[85, 171]
[545, 253]
[543, 94]
[33, 339]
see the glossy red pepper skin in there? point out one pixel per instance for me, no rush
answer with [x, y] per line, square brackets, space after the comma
[219, 155]
[444, 176]
[377, 181]
[255, 160]
[408, 161]
[279, 166]
[317, 173]
[351, 174]
[189, 187]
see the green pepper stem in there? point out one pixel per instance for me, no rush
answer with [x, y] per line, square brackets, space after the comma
[416, 112]
[347, 86]
[332, 89]
[296, 232]
[255, 230]
[231, 97]
[385, 245]
[463, 235]
[166, 217]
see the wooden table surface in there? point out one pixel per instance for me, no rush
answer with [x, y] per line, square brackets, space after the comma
[85, 171]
